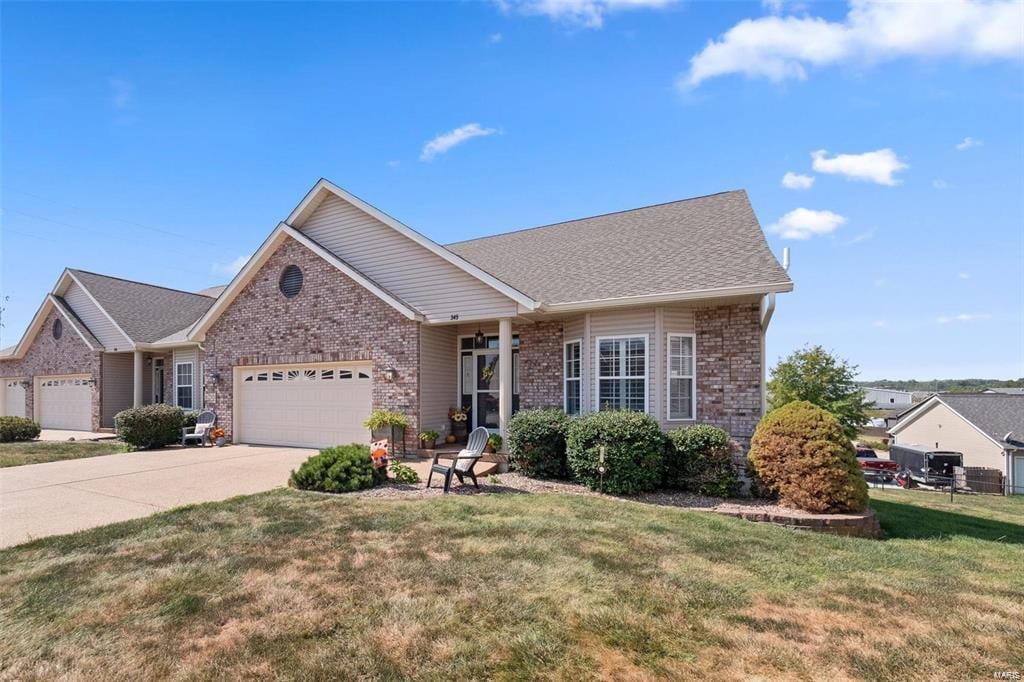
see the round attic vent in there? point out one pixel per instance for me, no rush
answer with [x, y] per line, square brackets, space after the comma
[290, 283]
[58, 329]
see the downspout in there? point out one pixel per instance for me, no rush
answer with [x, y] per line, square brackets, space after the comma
[767, 310]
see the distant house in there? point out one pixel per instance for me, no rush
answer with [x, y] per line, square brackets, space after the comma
[988, 428]
[888, 398]
[1005, 391]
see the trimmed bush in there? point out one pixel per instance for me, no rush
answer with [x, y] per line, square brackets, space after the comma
[699, 459]
[150, 426]
[17, 428]
[801, 451]
[536, 443]
[634, 451]
[341, 469]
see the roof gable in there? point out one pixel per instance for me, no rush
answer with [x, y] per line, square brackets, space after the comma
[50, 303]
[994, 415]
[146, 313]
[710, 244]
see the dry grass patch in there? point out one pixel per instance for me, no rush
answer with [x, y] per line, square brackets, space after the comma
[511, 586]
[40, 451]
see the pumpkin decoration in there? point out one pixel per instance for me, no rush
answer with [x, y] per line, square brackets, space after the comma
[450, 438]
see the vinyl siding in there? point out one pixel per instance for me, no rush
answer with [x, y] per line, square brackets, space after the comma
[675, 320]
[98, 323]
[625, 322]
[941, 428]
[438, 376]
[419, 277]
[117, 387]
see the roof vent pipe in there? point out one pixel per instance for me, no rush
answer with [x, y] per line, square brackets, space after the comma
[785, 258]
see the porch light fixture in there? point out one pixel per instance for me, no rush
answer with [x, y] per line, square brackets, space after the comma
[390, 373]
[479, 338]
[215, 377]
[25, 383]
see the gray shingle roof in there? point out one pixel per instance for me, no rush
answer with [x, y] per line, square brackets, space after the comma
[145, 312]
[695, 244]
[994, 413]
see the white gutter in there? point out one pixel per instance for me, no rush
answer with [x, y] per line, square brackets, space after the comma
[696, 294]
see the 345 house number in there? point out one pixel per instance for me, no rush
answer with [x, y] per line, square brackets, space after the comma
[454, 316]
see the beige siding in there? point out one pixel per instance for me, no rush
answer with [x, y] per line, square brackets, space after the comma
[438, 376]
[676, 319]
[421, 278]
[117, 388]
[625, 322]
[941, 428]
[97, 322]
[185, 355]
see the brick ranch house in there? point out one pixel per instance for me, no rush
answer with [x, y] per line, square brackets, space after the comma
[344, 309]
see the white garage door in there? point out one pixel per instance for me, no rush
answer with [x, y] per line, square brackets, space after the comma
[14, 398]
[303, 405]
[65, 403]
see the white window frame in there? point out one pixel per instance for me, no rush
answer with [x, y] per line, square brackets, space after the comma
[668, 377]
[192, 386]
[596, 358]
[566, 378]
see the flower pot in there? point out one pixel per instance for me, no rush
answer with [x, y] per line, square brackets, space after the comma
[489, 449]
[460, 429]
[429, 444]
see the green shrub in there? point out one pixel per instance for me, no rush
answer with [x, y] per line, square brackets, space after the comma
[699, 459]
[801, 451]
[17, 428]
[873, 444]
[403, 473]
[382, 419]
[340, 469]
[150, 426]
[633, 459]
[536, 443]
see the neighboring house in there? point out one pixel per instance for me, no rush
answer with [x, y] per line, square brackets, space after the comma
[887, 398]
[343, 309]
[98, 345]
[987, 428]
[1005, 391]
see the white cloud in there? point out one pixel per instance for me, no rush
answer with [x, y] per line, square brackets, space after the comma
[877, 166]
[968, 143]
[962, 317]
[495, 38]
[230, 269]
[773, 6]
[121, 92]
[445, 141]
[780, 48]
[963, 275]
[583, 13]
[804, 223]
[797, 181]
[939, 183]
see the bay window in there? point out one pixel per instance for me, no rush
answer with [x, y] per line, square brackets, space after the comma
[572, 377]
[682, 389]
[622, 373]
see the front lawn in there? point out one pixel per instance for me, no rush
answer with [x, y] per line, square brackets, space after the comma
[39, 451]
[516, 586]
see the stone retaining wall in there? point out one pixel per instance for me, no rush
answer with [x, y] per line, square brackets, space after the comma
[854, 525]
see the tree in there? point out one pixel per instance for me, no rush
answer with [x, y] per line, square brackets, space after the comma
[820, 378]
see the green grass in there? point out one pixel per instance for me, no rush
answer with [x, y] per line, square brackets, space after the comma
[516, 586]
[39, 451]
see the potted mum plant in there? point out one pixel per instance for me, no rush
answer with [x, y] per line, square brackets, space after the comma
[428, 439]
[387, 424]
[493, 446]
[459, 417]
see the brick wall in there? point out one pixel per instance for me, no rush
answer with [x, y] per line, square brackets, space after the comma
[49, 356]
[540, 365]
[729, 368]
[332, 319]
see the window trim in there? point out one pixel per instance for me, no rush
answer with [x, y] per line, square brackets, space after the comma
[668, 377]
[596, 360]
[191, 386]
[565, 375]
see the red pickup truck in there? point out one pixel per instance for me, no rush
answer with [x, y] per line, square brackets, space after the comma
[876, 468]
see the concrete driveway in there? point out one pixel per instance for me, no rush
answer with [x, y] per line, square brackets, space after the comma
[62, 497]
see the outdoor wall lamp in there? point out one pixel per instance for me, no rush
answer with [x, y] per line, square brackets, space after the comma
[215, 377]
[479, 338]
[390, 373]
[25, 383]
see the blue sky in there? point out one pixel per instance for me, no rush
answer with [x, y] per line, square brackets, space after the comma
[162, 142]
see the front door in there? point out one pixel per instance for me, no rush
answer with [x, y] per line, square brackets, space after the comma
[158, 381]
[479, 380]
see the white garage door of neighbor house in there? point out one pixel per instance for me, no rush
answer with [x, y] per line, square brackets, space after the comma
[14, 398]
[65, 403]
[303, 405]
